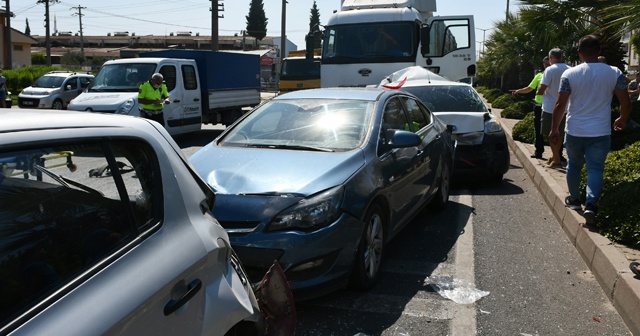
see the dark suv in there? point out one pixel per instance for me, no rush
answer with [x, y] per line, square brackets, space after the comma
[54, 90]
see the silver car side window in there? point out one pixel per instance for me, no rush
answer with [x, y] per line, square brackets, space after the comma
[65, 208]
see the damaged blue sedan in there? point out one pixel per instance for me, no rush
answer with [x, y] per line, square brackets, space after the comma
[322, 179]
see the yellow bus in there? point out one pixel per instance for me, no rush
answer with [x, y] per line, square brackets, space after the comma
[298, 73]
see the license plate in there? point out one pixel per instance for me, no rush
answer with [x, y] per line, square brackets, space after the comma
[27, 103]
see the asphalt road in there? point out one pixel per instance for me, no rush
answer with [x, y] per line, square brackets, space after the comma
[501, 239]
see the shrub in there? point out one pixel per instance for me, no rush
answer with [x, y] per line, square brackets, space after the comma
[504, 101]
[518, 110]
[492, 94]
[481, 89]
[523, 130]
[619, 214]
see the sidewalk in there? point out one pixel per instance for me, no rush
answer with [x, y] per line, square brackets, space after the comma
[609, 262]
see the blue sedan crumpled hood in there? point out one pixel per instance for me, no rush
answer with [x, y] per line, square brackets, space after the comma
[234, 170]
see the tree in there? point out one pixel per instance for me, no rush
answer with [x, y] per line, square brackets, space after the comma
[512, 54]
[256, 20]
[563, 23]
[314, 26]
[27, 30]
[38, 58]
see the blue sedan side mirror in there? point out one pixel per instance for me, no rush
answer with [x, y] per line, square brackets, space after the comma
[402, 139]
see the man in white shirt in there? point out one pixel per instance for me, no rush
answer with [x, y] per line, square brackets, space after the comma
[549, 90]
[585, 92]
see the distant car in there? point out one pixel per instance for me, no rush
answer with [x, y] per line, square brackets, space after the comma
[481, 141]
[107, 230]
[54, 90]
[322, 179]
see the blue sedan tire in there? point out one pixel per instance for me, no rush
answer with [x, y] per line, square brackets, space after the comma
[366, 270]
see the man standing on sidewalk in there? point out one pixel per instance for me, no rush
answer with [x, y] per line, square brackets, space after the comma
[549, 91]
[537, 108]
[588, 89]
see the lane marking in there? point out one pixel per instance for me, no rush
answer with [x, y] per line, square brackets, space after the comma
[464, 316]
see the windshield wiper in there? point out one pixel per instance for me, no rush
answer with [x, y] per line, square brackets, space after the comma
[67, 182]
[284, 146]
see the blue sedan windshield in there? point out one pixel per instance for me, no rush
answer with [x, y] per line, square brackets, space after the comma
[304, 124]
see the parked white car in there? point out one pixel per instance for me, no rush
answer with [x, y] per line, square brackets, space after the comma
[54, 90]
[105, 229]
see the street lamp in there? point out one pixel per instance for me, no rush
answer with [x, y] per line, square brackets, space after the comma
[484, 31]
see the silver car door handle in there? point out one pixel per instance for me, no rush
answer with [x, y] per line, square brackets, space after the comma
[174, 305]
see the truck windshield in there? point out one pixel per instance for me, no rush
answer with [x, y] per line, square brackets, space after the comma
[300, 69]
[380, 42]
[122, 77]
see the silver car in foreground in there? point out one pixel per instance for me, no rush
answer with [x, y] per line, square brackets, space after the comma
[106, 229]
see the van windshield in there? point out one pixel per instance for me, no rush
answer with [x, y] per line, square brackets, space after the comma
[125, 77]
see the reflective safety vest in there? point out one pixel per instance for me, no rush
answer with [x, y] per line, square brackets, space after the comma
[147, 91]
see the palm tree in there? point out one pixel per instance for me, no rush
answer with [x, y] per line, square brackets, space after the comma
[562, 24]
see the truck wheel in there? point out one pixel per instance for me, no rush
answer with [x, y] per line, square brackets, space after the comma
[57, 105]
[366, 270]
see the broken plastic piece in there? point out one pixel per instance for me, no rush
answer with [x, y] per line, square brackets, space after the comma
[456, 290]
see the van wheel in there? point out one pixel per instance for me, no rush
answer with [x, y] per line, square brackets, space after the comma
[57, 105]
[366, 268]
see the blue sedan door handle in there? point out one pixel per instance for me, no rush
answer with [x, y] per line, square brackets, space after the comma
[196, 99]
[174, 305]
[176, 101]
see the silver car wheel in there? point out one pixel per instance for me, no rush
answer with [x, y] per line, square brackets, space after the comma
[57, 105]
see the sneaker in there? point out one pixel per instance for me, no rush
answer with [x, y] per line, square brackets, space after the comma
[590, 213]
[573, 204]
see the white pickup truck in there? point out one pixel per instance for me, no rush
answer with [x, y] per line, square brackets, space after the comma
[205, 87]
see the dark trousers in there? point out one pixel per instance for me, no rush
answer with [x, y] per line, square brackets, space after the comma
[158, 117]
[537, 122]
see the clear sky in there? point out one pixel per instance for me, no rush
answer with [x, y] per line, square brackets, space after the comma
[164, 17]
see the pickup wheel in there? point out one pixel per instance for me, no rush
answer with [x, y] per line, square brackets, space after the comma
[57, 105]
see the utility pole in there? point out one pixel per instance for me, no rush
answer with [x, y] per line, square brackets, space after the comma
[507, 12]
[216, 8]
[7, 34]
[47, 30]
[79, 14]
[283, 33]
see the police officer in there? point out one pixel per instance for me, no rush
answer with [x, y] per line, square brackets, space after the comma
[152, 95]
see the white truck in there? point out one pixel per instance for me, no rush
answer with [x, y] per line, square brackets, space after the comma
[205, 87]
[369, 39]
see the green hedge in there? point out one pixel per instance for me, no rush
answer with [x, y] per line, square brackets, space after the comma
[492, 94]
[523, 130]
[518, 110]
[619, 213]
[504, 101]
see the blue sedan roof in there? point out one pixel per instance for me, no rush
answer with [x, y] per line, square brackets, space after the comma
[370, 94]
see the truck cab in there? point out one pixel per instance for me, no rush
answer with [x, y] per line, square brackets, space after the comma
[370, 39]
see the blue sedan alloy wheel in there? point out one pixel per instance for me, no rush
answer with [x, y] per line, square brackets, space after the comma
[370, 250]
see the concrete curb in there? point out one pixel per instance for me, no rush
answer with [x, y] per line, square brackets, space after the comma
[609, 266]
